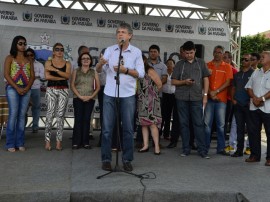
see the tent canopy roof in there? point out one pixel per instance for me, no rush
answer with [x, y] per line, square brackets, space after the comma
[236, 5]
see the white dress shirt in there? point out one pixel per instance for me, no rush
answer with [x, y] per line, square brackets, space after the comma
[260, 84]
[132, 59]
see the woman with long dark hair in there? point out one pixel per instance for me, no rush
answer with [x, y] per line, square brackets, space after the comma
[19, 75]
[57, 72]
[85, 86]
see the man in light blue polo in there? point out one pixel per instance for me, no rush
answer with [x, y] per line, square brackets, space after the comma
[131, 68]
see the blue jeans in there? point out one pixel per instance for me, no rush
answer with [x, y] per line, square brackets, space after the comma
[217, 110]
[35, 98]
[193, 109]
[127, 110]
[17, 105]
[233, 133]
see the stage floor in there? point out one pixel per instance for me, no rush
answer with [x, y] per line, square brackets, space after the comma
[71, 175]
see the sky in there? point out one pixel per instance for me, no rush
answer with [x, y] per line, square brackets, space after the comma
[255, 18]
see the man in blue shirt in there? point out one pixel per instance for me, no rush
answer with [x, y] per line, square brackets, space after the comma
[240, 100]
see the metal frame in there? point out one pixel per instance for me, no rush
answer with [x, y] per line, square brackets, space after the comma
[232, 18]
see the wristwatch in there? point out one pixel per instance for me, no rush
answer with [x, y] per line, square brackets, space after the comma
[205, 94]
[263, 98]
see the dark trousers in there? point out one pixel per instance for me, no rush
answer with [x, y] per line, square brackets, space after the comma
[117, 143]
[139, 138]
[191, 132]
[168, 102]
[257, 118]
[82, 115]
[175, 134]
[100, 104]
[193, 109]
[228, 116]
[242, 118]
[175, 125]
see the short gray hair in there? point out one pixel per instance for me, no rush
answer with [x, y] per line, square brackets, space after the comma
[125, 25]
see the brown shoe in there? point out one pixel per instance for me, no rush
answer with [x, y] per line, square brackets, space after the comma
[252, 159]
[106, 166]
[267, 163]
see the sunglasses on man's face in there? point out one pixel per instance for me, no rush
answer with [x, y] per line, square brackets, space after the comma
[22, 43]
[245, 59]
[59, 49]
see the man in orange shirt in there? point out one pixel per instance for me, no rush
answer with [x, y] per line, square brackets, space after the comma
[219, 80]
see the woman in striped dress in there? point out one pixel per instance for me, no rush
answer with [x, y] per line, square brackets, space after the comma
[57, 72]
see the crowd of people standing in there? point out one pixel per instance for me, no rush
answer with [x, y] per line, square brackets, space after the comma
[144, 96]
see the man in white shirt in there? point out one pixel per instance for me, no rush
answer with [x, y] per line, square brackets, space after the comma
[258, 88]
[131, 68]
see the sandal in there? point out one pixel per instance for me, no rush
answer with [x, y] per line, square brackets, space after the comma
[21, 148]
[58, 146]
[11, 149]
[48, 146]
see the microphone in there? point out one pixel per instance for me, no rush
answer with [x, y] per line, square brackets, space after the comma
[122, 41]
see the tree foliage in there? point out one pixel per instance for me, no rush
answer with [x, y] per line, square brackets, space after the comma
[257, 43]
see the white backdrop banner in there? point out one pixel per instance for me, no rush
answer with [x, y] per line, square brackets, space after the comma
[98, 22]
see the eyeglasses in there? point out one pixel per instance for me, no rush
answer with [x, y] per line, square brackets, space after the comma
[30, 55]
[85, 59]
[245, 59]
[22, 44]
[59, 49]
